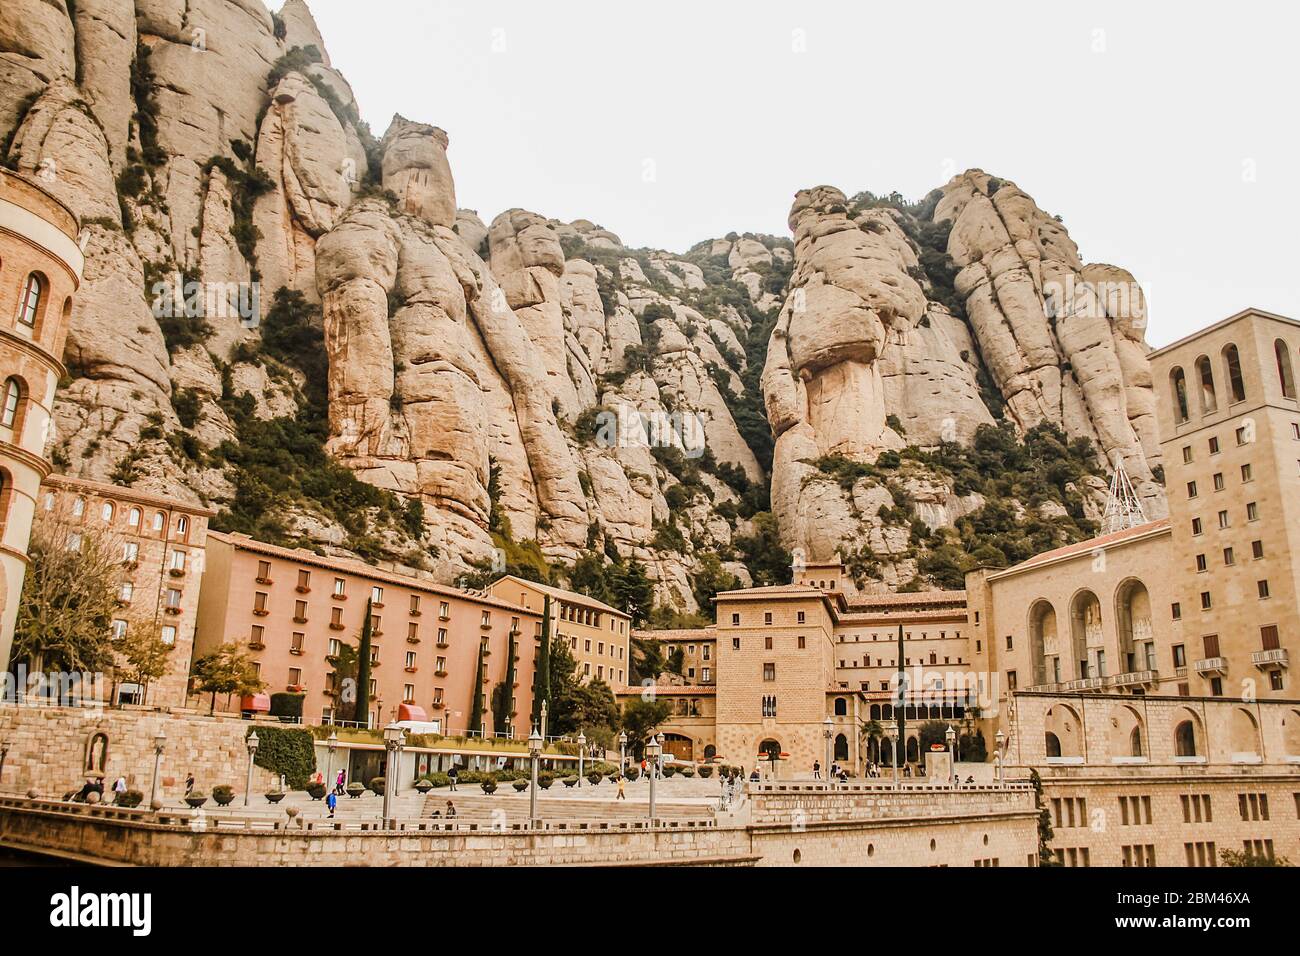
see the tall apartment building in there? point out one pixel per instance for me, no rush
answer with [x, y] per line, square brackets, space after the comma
[1229, 418]
[596, 633]
[292, 609]
[40, 271]
[161, 542]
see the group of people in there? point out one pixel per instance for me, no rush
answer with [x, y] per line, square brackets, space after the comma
[837, 772]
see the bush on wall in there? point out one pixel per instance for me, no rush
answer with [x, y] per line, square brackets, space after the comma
[286, 750]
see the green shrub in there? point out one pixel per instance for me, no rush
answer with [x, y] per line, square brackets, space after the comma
[489, 785]
[316, 790]
[130, 799]
[290, 751]
[687, 771]
[594, 777]
[223, 794]
[287, 705]
[633, 771]
[521, 785]
[545, 779]
[570, 781]
[377, 785]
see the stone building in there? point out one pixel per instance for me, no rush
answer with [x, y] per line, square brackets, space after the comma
[292, 609]
[40, 271]
[162, 543]
[1230, 434]
[596, 633]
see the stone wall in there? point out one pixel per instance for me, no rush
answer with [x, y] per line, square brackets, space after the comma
[50, 749]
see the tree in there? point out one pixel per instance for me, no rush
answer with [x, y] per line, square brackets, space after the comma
[589, 708]
[542, 672]
[640, 718]
[1245, 858]
[871, 730]
[476, 705]
[227, 670]
[710, 578]
[768, 562]
[633, 591]
[69, 596]
[676, 661]
[931, 732]
[361, 709]
[505, 691]
[142, 656]
[647, 660]
[344, 666]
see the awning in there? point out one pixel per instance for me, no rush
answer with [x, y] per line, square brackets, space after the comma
[411, 712]
[257, 703]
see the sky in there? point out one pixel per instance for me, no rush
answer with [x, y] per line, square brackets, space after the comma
[1165, 135]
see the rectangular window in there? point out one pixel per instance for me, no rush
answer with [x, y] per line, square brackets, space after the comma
[802, 642]
[412, 632]
[1191, 489]
[1243, 436]
[1196, 526]
[1224, 520]
[1176, 611]
[1187, 454]
[377, 595]
[1206, 602]
[415, 604]
[1214, 446]
[263, 572]
[444, 610]
[801, 617]
[1228, 557]
[1180, 655]
[1262, 587]
[300, 611]
[1211, 642]
[767, 617]
[1218, 481]
[1011, 681]
[410, 660]
[178, 561]
[296, 642]
[1252, 511]
[1257, 549]
[1201, 564]
[408, 693]
[259, 602]
[169, 634]
[1268, 637]
[767, 642]
[735, 620]
[304, 580]
[769, 672]
[1246, 474]
[340, 587]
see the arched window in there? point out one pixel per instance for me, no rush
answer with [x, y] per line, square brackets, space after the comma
[106, 512]
[1178, 387]
[159, 521]
[841, 707]
[1284, 368]
[10, 417]
[841, 747]
[1185, 740]
[1232, 359]
[29, 305]
[1205, 380]
[1135, 742]
[78, 507]
[182, 526]
[133, 517]
[96, 753]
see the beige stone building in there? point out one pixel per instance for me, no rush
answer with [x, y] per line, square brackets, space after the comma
[40, 271]
[162, 543]
[596, 633]
[291, 609]
[1230, 432]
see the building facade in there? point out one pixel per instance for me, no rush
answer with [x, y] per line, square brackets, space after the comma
[596, 633]
[1229, 421]
[162, 546]
[292, 610]
[40, 271]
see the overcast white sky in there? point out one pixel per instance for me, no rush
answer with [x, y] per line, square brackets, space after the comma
[1164, 134]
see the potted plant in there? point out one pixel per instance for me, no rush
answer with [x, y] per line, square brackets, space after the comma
[377, 785]
[706, 772]
[544, 780]
[594, 777]
[354, 790]
[130, 800]
[274, 796]
[688, 771]
[223, 794]
[489, 785]
[520, 785]
[633, 771]
[196, 799]
[316, 790]
[424, 785]
[570, 781]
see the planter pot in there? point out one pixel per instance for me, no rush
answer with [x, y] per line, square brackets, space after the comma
[316, 791]
[224, 801]
[520, 786]
[194, 801]
[423, 786]
[274, 797]
[355, 790]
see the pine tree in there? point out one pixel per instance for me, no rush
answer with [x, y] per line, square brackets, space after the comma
[361, 713]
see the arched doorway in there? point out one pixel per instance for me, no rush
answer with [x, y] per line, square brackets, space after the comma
[1043, 647]
[841, 747]
[1133, 613]
[679, 746]
[1063, 731]
[710, 751]
[770, 749]
[1187, 734]
[1087, 642]
[913, 750]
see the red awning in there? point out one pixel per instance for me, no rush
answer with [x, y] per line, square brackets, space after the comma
[258, 703]
[411, 712]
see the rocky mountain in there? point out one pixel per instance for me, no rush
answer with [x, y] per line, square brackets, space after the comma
[292, 320]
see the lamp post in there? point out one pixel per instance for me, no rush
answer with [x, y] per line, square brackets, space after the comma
[659, 750]
[892, 737]
[652, 750]
[251, 744]
[159, 743]
[534, 756]
[622, 753]
[1000, 743]
[827, 729]
[543, 722]
[951, 736]
[394, 741]
[582, 753]
[331, 744]
[4, 753]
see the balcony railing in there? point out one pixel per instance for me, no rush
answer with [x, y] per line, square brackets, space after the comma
[1212, 665]
[1274, 659]
[1136, 678]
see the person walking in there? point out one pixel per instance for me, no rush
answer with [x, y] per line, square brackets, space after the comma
[338, 783]
[451, 777]
[119, 788]
[621, 794]
[189, 783]
[817, 770]
[332, 801]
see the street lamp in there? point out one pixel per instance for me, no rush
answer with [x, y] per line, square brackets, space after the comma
[652, 750]
[892, 737]
[543, 721]
[534, 755]
[659, 739]
[827, 729]
[951, 736]
[251, 743]
[4, 752]
[622, 753]
[394, 741]
[331, 744]
[582, 752]
[159, 743]
[1000, 743]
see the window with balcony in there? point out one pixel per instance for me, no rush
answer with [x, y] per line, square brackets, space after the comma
[257, 637]
[263, 572]
[304, 580]
[415, 605]
[259, 604]
[296, 642]
[377, 595]
[300, 612]
[340, 588]
[410, 660]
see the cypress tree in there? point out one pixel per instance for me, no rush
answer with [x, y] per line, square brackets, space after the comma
[476, 706]
[542, 672]
[361, 712]
[501, 714]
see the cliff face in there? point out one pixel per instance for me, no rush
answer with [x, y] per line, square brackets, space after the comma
[523, 380]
